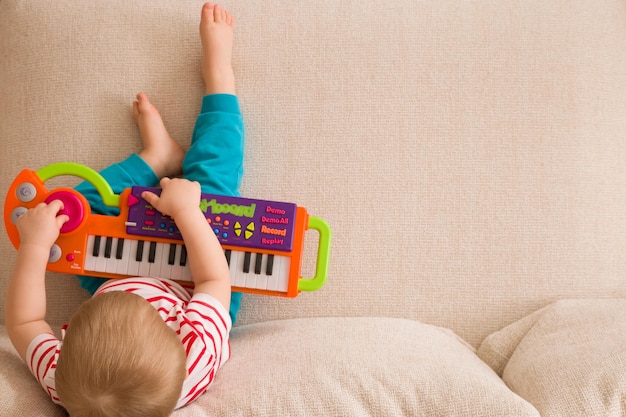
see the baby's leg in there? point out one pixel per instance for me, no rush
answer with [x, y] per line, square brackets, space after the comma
[160, 151]
[161, 156]
[215, 158]
[216, 35]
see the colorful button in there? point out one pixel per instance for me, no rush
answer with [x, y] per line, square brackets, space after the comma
[55, 253]
[17, 212]
[26, 192]
[249, 230]
[132, 200]
[72, 207]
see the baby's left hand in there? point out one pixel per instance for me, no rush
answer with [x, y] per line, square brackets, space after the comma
[178, 195]
[41, 225]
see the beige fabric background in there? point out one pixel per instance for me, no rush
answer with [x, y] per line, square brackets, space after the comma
[567, 359]
[469, 156]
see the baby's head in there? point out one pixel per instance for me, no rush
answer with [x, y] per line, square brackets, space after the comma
[119, 358]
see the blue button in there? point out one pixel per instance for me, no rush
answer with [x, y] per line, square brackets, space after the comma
[224, 235]
[217, 231]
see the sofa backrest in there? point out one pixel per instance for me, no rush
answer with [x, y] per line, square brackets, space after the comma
[470, 157]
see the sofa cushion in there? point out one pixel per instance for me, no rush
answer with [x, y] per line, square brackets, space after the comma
[355, 367]
[20, 394]
[567, 359]
[326, 366]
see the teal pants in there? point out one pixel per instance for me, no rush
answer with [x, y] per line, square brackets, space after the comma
[215, 160]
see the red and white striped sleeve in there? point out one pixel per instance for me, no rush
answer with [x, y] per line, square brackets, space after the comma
[204, 334]
[42, 355]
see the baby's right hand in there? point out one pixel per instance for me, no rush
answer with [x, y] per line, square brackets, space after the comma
[41, 224]
[177, 196]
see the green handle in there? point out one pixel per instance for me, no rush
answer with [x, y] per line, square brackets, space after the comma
[323, 255]
[70, 168]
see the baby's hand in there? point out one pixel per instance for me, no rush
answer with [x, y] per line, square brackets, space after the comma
[41, 224]
[178, 195]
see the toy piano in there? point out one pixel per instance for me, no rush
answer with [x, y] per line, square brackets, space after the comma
[263, 241]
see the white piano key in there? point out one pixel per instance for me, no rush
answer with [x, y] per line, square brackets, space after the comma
[251, 277]
[187, 272]
[90, 261]
[272, 282]
[166, 268]
[101, 261]
[237, 277]
[177, 269]
[155, 267]
[144, 265]
[133, 265]
[283, 274]
[112, 261]
[261, 278]
[279, 280]
[122, 266]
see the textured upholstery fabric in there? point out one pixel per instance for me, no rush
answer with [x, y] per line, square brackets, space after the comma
[567, 359]
[468, 156]
[356, 367]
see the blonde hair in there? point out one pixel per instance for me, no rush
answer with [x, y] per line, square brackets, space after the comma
[119, 358]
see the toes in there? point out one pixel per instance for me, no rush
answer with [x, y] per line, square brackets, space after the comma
[208, 12]
[143, 103]
[142, 98]
[220, 14]
[215, 13]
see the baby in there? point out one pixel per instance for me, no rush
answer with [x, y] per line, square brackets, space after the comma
[143, 346]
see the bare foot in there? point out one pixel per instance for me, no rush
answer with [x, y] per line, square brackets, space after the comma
[160, 151]
[216, 34]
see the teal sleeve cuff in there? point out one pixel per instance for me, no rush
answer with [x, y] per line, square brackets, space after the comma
[226, 103]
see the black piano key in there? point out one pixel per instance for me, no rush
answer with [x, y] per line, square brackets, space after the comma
[107, 247]
[183, 256]
[96, 246]
[139, 255]
[270, 265]
[257, 263]
[172, 254]
[246, 262]
[152, 252]
[120, 249]
[227, 254]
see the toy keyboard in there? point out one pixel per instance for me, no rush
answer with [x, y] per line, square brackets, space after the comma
[262, 240]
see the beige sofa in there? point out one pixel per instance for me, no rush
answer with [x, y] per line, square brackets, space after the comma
[469, 156]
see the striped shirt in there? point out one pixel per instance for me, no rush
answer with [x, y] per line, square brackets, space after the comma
[201, 322]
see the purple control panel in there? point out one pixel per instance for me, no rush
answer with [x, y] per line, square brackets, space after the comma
[235, 221]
